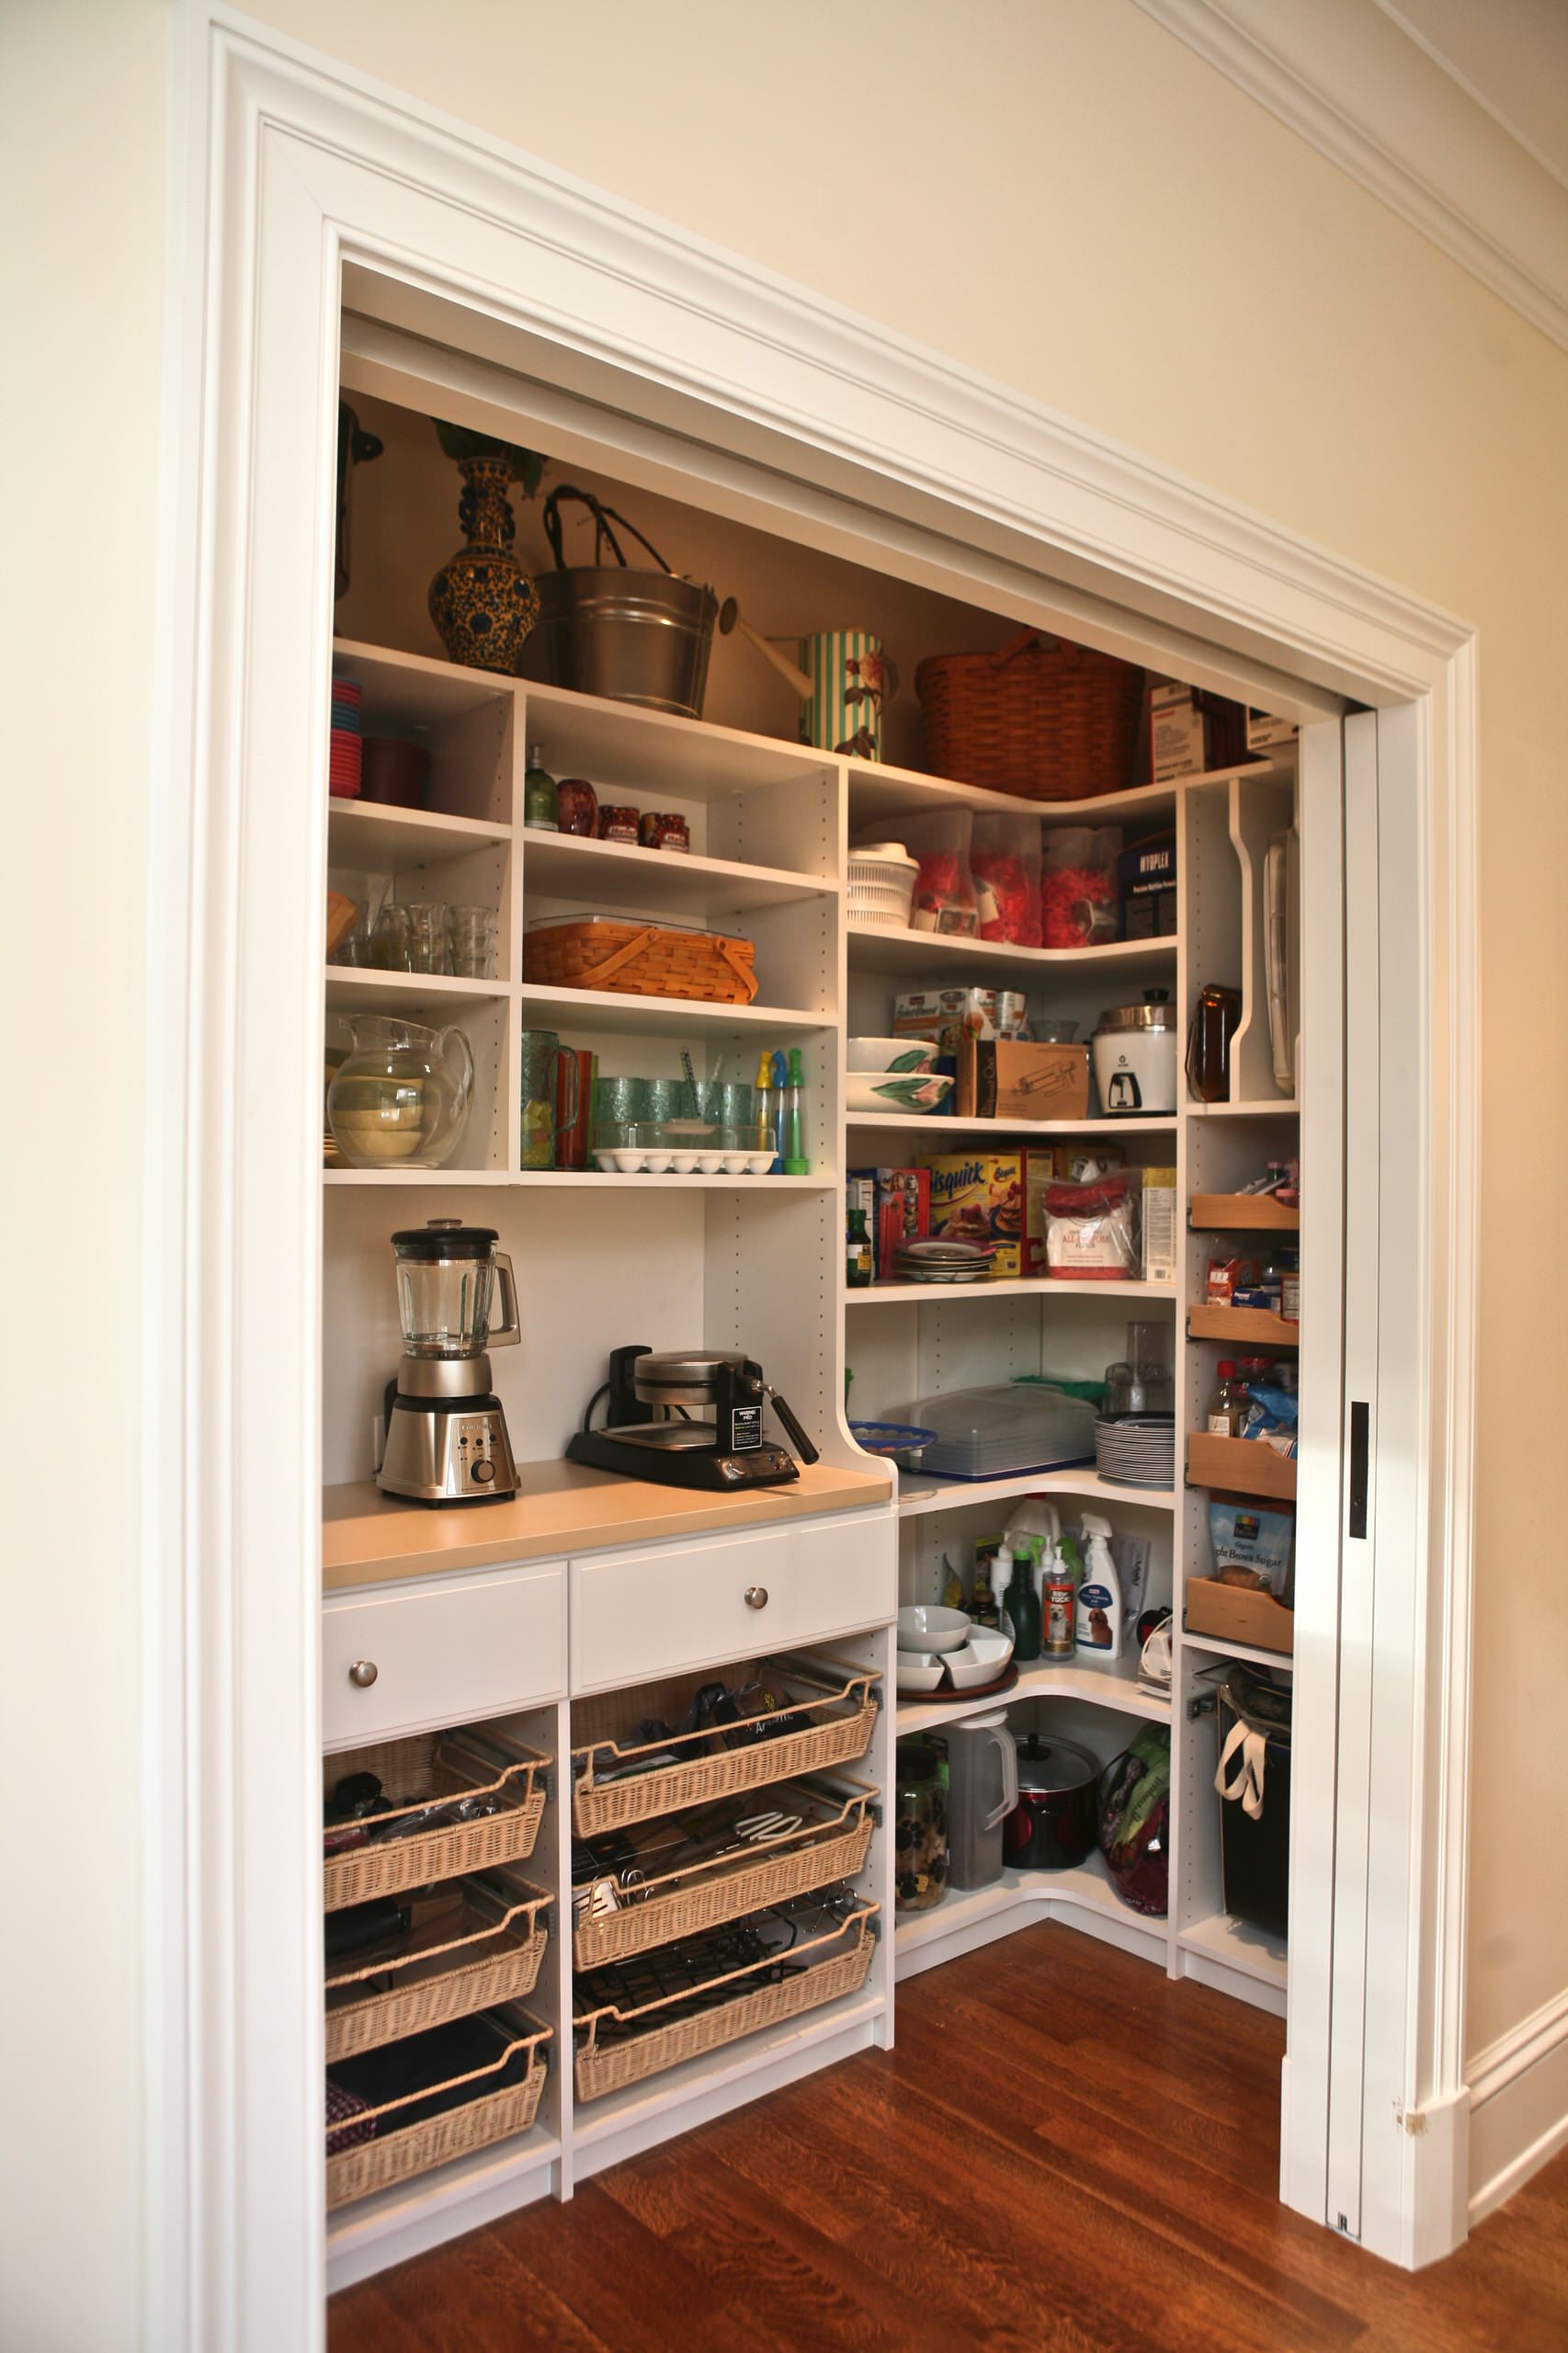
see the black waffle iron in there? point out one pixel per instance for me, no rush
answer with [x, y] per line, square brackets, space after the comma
[689, 1419]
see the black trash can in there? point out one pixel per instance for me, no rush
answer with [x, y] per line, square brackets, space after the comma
[1256, 1852]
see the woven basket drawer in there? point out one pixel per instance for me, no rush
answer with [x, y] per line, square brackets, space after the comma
[410, 1770]
[394, 2155]
[464, 1960]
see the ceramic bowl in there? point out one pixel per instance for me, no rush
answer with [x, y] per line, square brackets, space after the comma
[871, 1054]
[991, 1649]
[970, 1667]
[924, 1627]
[919, 1670]
[890, 1091]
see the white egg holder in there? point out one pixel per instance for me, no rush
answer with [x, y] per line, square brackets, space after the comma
[662, 1160]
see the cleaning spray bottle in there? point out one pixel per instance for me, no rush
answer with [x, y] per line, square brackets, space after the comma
[1099, 1595]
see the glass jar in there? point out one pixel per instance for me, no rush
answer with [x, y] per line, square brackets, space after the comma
[576, 806]
[1214, 1023]
[539, 795]
[1227, 1407]
[920, 1826]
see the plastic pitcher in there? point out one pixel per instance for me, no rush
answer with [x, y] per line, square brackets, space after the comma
[982, 1771]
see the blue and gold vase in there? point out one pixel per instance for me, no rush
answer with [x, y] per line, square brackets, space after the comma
[482, 601]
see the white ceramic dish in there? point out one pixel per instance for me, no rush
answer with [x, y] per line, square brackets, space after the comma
[919, 1671]
[969, 1667]
[866, 1055]
[992, 1649]
[890, 1091]
[924, 1627]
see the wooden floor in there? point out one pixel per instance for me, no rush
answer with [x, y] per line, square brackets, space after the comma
[1064, 2151]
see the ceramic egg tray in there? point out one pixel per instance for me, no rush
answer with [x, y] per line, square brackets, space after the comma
[661, 1160]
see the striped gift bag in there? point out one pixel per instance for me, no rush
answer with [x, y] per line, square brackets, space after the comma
[849, 675]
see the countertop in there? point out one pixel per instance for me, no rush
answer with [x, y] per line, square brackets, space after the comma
[371, 1538]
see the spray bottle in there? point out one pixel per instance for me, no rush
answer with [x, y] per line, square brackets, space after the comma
[1059, 1608]
[1099, 1595]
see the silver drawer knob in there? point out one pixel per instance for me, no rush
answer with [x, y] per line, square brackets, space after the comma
[363, 1672]
[756, 1597]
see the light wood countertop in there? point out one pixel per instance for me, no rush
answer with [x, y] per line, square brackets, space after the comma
[560, 1507]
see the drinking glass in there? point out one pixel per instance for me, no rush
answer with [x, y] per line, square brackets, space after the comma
[427, 951]
[390, 944]
[473, 942]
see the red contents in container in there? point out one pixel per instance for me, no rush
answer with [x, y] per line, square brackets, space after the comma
[1009, 898]
[942, 897]
[1068, 896]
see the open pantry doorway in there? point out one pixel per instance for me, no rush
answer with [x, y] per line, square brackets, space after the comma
[475, 272]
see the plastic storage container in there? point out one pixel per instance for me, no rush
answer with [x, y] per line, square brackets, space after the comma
[983, 1789]
[994, 1433]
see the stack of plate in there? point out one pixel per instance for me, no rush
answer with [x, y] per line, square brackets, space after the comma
[344, 774]
[1136, 1450]
[943, 1262]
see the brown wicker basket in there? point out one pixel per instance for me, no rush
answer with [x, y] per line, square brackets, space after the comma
[610, 2067]
[461, 1958]
[843, 1718]
[633, 959]
[705, 1895]
[413, 1768]
[393, 2155]
[1044, 720]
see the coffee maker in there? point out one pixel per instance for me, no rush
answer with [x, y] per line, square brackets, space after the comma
[689, 1418]
[446, 1438]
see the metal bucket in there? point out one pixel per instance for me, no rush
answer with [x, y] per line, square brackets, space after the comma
[639, 637]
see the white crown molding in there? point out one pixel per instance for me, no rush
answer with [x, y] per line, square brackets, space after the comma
[1358, 86]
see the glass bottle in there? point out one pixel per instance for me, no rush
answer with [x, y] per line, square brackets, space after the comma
[858, 1262]
[983, 1606]
[1215, 1020]
[538, 794]
[1023, 1606]
[1227, 1407]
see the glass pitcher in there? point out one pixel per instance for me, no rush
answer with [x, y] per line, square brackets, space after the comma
[400, 1098]
[544, 1062]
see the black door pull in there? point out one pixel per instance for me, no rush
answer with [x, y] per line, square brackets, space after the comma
[1359, 1419]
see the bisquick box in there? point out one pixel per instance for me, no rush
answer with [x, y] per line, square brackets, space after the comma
[950, 1015]
[980, 1196]
[1146, 882]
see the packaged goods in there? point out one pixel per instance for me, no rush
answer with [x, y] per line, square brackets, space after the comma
[1227, 1278]
[1004, 1078]
[979, 1197]
[1266, 734]
[948, 1015]
[1146, 887]
[944, 887]
[1159, 1224]
[1078, 896]
[1252, 1545]
[1005, 860]
[1192, 731]
[1091, 1229]
[903, 1206]
[1047, 1165]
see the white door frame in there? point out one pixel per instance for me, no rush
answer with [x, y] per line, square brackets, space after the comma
[287, 166]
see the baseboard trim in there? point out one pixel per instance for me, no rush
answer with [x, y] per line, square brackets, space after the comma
[1518, 2107]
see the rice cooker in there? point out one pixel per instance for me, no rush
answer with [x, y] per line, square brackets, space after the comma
[1135, 1057]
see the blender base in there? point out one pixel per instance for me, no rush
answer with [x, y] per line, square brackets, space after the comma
[448, 1451]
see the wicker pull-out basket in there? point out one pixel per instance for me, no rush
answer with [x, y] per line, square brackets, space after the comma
[841, 1719]
[603, 2067]
[726, 1887]
[631, 959]
[394, 2153]
[1038, 718]
[463, 1955]
[414, 1768]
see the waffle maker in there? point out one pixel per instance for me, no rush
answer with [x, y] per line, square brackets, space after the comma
[688, 1420]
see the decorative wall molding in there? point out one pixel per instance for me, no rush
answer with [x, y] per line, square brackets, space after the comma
[1358, 86]
[1518, 2100]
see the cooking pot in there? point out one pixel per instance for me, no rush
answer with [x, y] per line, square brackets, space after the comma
[1135, 1057]
[1056, 1821]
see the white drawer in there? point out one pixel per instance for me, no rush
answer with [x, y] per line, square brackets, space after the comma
[445, 1650]
[636, 1616]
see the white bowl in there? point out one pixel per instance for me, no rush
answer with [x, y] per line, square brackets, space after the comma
[924, 1627]
[871, 1054]
[992, 1649]
[968, 1667]
[759, 1163]
[877, 1090]
[919, 1670]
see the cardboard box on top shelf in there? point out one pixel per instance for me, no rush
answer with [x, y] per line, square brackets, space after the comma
[1007, 1078]
[1266, 734]
[951, 1015]
[1191, 731]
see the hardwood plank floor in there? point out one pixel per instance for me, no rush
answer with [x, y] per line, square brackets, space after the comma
[1065, 2153]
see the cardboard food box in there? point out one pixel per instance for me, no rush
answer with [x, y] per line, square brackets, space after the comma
[980, 1196]
[1266, 734]
[950, 1015]
[1236, 1614]
[1159, 1230]
[1013, 1078]
[1146, 879]
[1191, 731]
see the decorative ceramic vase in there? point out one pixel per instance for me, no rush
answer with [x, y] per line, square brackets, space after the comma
[482, 601]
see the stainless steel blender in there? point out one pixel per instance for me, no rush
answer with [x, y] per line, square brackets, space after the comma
[446, 1438]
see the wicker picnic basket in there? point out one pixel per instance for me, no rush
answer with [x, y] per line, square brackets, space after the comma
[462, 1957]
[413, 1769]
[1038, 718]
[393, 2155]
[609, 2066]
[633, 959]
[837, 1721]
[706, 1895]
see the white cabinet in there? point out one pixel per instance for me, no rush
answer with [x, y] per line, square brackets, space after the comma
[639, 1615]
[441, 1651]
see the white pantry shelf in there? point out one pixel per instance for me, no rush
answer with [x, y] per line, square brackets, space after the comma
[353, 988]
[921, 1493]
[373, 838]
[660, 1016]
[1239, 1946]
[617, 874]
[879, 795]
[916, 953]
[1283, 1106]
[1053, 1678]
[1008, 1286]
[934, 1126]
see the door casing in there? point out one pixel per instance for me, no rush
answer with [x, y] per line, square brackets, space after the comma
[290, 167]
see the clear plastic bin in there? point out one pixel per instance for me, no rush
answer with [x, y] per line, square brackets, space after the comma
[993, 1433]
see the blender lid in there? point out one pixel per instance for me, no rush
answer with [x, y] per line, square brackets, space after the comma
[446, 1237]
[1156, 1012]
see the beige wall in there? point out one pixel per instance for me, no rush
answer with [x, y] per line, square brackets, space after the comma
[1059, 194]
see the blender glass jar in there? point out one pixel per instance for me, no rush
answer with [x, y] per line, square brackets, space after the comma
[446, 1272]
